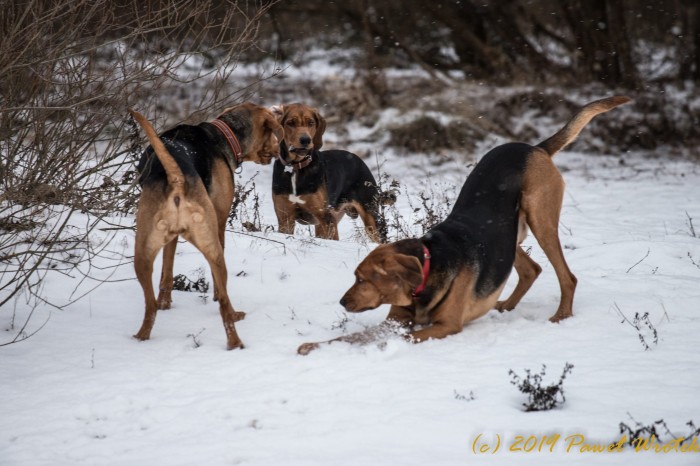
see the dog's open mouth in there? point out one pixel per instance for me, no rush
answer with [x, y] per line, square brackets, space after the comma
[300, 152]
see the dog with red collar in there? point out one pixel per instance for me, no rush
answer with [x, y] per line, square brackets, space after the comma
[456, 272]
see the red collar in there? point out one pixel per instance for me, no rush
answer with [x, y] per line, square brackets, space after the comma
[426, 271]
[231, 138]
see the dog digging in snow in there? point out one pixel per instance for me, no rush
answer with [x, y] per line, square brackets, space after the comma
[456, 272]
[187, 190]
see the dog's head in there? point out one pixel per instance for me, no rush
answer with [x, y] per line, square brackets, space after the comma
[258, 130]
[384, 277]
[303, 130]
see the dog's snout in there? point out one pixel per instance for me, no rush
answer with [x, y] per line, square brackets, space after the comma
[305, 140]
[343, 301]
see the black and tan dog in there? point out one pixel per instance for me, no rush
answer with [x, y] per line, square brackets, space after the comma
[187, 190]
[456, 272]
[316, 187]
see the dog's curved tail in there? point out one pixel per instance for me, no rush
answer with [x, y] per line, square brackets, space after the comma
[176, 179]
[570, 131]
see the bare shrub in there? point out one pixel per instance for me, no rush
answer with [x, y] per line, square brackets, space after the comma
[388, 189]
[541, 398]
[245, 210]
[435, 202]
[642, 324]
[645, 437]
[199, 284]
[70, 70]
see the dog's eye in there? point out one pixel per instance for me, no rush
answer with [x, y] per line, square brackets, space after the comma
[311, 123]
[291, 124]
[358, 280]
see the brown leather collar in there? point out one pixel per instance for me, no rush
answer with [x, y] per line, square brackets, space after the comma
[231, 138]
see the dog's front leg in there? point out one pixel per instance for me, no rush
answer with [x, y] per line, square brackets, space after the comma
[285, 223]
[359, 337]
[327, 229]
[437, 330]
[389, 326]
[285, 212]
[404, 316]
[306, 348]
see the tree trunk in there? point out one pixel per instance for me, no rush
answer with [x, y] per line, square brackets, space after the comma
[601, 39]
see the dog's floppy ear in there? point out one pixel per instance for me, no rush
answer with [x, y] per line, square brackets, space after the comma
[273, 122]
[320, 129]
[407, 268]
[278, 111]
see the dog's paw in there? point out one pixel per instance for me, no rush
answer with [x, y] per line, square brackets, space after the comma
[165, 299]
[558, 317]
[503, 306]
[238, 315]
[306, 348]
[164, 304]
[142, 336]
[237, 344]
[233, 342]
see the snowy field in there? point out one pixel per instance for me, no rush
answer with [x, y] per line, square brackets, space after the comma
[83, 392]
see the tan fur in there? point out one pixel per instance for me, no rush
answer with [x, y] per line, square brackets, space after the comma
[186, 209]
[354, 209]
[568, 133]
[301, 121]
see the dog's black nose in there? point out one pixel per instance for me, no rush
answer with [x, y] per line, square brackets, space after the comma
[305, 140]
[343, 301]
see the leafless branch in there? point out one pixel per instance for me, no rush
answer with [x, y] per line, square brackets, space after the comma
[67, 150]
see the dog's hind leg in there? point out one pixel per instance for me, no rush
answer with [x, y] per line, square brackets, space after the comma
[542, 204]
[221, 229]
[528, 271]
[166, 278]
[548, 238]
[203, 234]
[369, 219]
[144, 255]
[228, 315]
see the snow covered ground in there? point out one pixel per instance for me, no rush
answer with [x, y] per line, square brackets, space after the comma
[83, 392]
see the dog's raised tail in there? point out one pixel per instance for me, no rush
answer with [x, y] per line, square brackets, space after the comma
[570, 131]
[172, 169]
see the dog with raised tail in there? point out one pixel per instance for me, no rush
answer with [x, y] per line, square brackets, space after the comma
[186, 177]
[456, 272]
